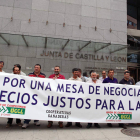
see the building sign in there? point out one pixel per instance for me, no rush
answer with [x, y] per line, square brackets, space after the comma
[83, 56]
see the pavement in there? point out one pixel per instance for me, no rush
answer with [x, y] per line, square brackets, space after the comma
[55, 133]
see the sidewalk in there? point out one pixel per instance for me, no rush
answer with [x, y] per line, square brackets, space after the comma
[56, 133]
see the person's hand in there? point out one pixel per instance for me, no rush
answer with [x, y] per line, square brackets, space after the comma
[54, 78]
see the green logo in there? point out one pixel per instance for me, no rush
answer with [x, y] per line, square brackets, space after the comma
[119, 116]
[112, 117]
[12, 110]
[125, 116]
[3, 109]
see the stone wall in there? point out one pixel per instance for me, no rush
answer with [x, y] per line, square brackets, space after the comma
[104, 14]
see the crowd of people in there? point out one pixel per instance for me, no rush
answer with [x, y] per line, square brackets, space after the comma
[77, 76]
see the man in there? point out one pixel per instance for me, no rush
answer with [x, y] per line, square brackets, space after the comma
[126, 80]
[36, 73]
[16, 70]
[75, 78]
[111, 79]
[57, 74]
[103, 76]
[1, 66]
[21, 73]
[98, 76]
[131, 78]
[94, 80]
[54, 76]
[91, 72]
[80, 75]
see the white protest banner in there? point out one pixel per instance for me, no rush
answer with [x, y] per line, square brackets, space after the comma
[70, 101]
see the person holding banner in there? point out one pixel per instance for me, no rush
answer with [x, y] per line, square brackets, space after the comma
[21, 73]
[75, 78]
[126, 80]
[103, 76]
[57, 74]
[54, 76]
[111, 79]
[85, 76]
[37, 73]
[131, 78]
[1, 66]
[94, 80]
[80, 75]
[16, 70]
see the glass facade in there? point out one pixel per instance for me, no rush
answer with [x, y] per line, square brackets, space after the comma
[133, 11]
[58, 43]
[133, 22]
